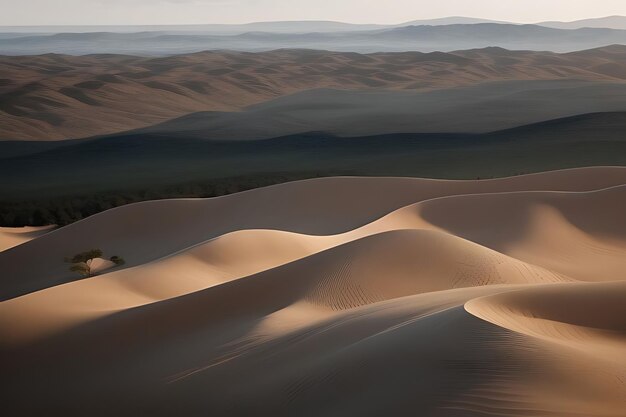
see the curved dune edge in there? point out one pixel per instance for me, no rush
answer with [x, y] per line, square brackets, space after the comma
[588, 317]
[14, 236]
[497, 302]
[583, 324]
[145, 232]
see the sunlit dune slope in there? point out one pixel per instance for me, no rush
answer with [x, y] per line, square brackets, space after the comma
[10, 237]
[148, 231]
[379, 267]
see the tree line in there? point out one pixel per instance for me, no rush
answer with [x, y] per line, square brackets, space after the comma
[63, 210]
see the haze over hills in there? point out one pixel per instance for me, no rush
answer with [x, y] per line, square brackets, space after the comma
[609, 22]
[53, 97]
[451, 20]
[305, 26]
[425, 38]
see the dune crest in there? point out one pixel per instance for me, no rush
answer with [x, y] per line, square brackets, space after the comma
[14, 236]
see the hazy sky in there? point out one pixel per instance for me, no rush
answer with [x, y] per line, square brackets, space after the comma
[87, 12]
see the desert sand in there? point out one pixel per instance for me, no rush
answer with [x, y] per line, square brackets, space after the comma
[334, 297]
[13, 236]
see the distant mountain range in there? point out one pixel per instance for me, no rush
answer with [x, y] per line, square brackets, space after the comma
[306, 26]
[610, 22]
[422, 38]
[53, 97]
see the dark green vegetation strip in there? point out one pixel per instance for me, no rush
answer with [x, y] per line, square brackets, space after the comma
[66, 209]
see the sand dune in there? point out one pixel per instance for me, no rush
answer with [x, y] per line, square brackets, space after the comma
[581, 235]
[597, 324]
[340, 296]
[331, 275]
[13, 236]
[584, 323]
[317, 207]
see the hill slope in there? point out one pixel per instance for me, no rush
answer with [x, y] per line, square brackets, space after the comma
[52, 97]
[63, 184]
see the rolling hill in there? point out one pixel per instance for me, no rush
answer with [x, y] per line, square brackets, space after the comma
[53, 97]
[479, 108]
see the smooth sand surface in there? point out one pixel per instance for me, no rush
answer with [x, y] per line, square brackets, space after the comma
[13, 236]
[334, 297]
